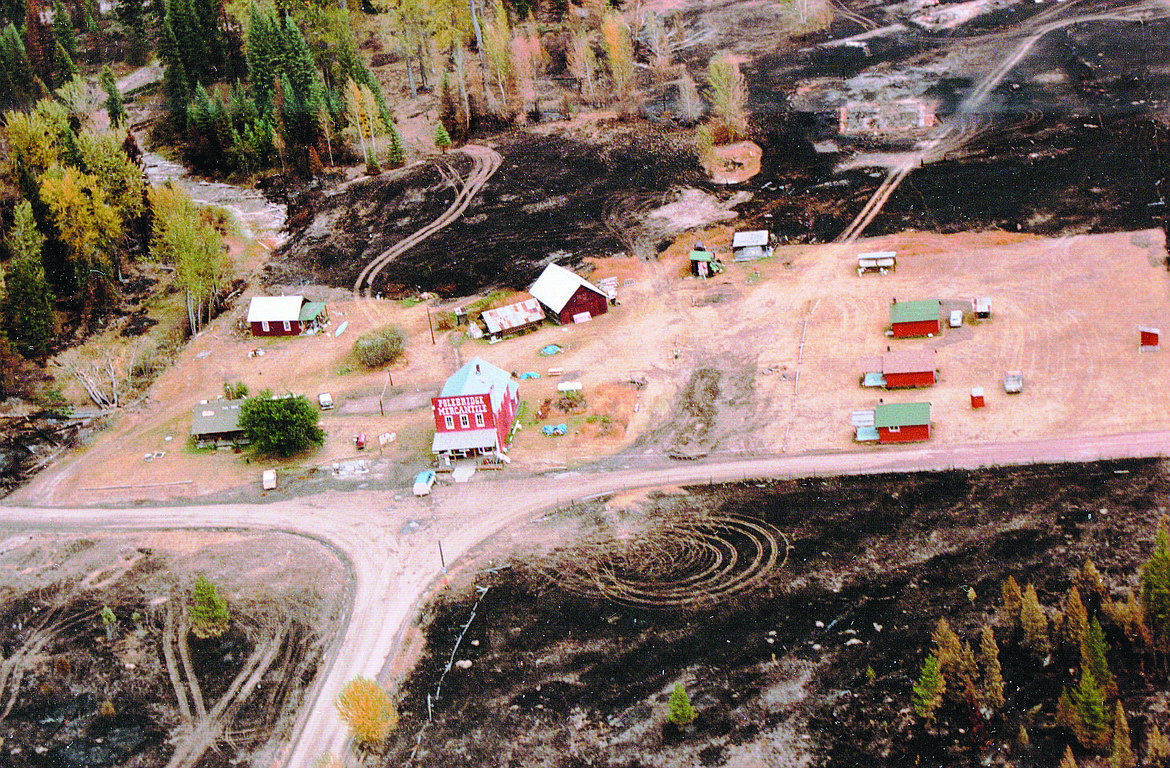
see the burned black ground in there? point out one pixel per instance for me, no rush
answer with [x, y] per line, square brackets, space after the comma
[876, 561]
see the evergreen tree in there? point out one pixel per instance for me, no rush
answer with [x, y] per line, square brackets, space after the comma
[965, 681]
[263, 52]
[681, 711]
[64, 69]
[1122, 756]
[396, 154]
[992, 673]
[24, 240]
[948, 650]
[442, 138]
[63, 30]
[209, 613]
[1093, 651]
[1075, 627]
[190, 41]
[1012, 602]
[1156, 589]
[1034, 623]
[205, 14]
[316, 168]
[1157, 747]
[1083, 711]
[450, 112]
[929, 689]
[1092, 585]
[177, 93]
[18, 74]
[114, 106]
[1068, 761]
[130, 14]
[28, 313]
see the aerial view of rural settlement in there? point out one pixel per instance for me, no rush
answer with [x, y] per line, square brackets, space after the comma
[565, 383]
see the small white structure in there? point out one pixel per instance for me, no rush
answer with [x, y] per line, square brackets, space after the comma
[268, 479]
[982, 308]
[749, 246]
[877, 261]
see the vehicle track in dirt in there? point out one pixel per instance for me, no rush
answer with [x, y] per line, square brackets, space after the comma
[486, 161]
[949, 138]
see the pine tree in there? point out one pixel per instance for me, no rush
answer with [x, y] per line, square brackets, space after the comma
[1023, 741]
[115, 109]
[992, 673]
[39, 43]
[17, 67]
[130, 14]
[1091, 584]
[1012, 602]
[1034, 623]
[1068, 761]
[316, 169]
[209, 613]
[442, 138]
[28, 307]
[1157, 747]
[680, 710]
[1122, 756]
[1093, 658]
[948, 650]
[449, 111]
[1075, 627]
[929, 689]
[263, 52]
[966, 678]
[396, 153]
[63, 29]
[177, 92]
[64, 69]
[24, 239]
[1083, 710]
[1156, 588]
[1128, 616]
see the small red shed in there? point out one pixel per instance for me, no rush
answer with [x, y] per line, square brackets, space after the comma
[1148, 338]
[909, 369]
[977, 400]
[902, 422]
[568, 297]
[914, 318]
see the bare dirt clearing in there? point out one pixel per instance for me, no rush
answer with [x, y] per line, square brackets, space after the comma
[151, 694]
[1066, 313]
[777, 674]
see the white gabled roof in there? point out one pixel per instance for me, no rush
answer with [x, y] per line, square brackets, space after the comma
[755, 238]
[275, 309]
[556, 285]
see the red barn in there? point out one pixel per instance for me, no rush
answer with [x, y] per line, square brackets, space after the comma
[474, 411]
[568, 297]
[914, 318]
[909, 369]
[902, 422]
[284, 315]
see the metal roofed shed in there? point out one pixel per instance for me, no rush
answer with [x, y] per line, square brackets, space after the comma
[902, 422]
[568, 296]
[705, 264]
[982, 308]
[1013, 382]
[217, 423]
[751, 245]
[914, 318]
[513, 318]
[877, 261]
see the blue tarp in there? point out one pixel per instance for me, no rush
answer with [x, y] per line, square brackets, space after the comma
[529, 375]
[553, 430]
[551, 349]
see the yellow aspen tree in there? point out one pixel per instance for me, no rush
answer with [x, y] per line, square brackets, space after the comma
[619, 52]
[1034, 622]
[1012, 602]
[1075, 627]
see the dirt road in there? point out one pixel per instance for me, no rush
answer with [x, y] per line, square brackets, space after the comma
[486, 163]
[396, 564]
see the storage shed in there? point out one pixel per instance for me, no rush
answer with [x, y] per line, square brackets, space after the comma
[982, 308]
[1148, 338]
[217, 423]
[914, 318]
[705, 264]
[902, 422]
[568, 297]
[513, 318]
[284, 315]
[749, 246]
[909, 369]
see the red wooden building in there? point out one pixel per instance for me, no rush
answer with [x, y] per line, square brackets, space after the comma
[284, 315]
[1148, 338]
[568, 297]
[909, 369]
[474, 411]
[914, 318]
[902, 422]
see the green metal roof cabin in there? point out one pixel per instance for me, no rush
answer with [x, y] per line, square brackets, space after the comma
[914, 318]
[902, 422]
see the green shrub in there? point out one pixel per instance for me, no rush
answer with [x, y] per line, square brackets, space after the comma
[209, 613]
[681, 711]
[379, 348]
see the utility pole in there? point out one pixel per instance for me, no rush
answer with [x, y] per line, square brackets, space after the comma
[429, 325]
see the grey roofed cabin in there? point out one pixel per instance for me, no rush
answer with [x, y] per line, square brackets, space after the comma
[217, 423]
